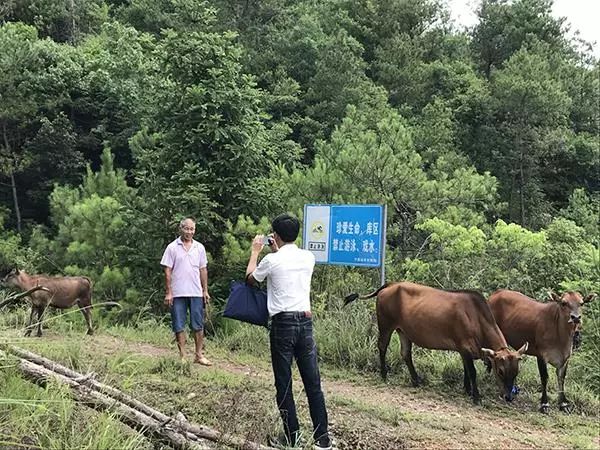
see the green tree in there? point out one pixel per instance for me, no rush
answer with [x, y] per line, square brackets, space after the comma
[35, 79]
[532, 117]
[93, 234]
[505, 26]
[372, 159]
[63, 21]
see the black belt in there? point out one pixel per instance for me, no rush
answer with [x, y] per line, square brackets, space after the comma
[292, 315]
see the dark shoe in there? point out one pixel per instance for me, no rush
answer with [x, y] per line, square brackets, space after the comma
[323, 443]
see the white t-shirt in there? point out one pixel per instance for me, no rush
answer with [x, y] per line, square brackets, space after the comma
[288, 272]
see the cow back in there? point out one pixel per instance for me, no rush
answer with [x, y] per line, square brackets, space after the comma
[442, 320]
[64, 292]
[519, 318]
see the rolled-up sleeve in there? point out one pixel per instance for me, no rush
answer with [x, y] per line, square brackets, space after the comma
[262, 270]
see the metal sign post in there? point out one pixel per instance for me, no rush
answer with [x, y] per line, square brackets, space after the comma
[383, 245]
[350, 235]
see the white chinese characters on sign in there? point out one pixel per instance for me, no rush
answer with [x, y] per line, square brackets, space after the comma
[350, 245]
[346, 227]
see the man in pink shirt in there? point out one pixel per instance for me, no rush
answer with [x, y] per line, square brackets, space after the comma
[186, 279]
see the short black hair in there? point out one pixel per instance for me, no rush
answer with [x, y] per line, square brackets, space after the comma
[286, 226]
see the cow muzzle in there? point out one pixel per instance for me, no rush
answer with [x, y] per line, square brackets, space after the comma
[575, 319]
[509, 395]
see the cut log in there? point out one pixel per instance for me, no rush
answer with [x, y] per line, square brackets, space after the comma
[136, 419]
[184, 427]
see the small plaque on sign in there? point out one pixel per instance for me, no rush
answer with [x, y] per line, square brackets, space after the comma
[316, 246]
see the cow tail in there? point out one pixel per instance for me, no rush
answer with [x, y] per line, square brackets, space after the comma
[351, 297]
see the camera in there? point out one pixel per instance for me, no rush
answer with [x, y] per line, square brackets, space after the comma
[268, 240]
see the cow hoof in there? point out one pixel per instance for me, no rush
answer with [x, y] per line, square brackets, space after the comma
[544, 408]
[90, 332]
[566, 407]
[416, 382]
[477, 401]
[38, 335]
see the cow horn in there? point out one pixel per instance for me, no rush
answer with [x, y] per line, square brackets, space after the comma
[488, 352]
[523, 349]
[590, 297]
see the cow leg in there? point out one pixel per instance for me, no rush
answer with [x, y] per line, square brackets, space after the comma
[383, 342]
[470, 367]
[40, 315]
[406, 351]
[563, 403]
[466, 378]
[543, 368]
[87, 315]
[29, 327]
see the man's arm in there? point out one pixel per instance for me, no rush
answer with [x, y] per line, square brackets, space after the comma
[257, 246]
[168, 292]
[204, 282]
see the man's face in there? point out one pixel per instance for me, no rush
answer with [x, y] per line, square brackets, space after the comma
[187, 230]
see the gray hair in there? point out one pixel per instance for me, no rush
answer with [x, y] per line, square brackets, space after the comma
[182, 222]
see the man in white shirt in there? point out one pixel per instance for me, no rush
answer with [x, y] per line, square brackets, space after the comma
[288, 271]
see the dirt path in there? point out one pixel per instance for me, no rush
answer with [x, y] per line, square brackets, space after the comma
[384, 416]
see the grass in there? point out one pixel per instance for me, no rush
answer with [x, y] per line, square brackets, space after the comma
[141, 359]
[35, 417]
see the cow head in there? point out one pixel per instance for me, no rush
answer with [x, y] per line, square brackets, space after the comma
[505, 365]
[11, 279]
[570, 306]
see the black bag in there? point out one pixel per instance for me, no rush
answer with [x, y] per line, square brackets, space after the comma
[247, 304]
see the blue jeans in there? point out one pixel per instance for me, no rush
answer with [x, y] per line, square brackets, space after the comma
[179, 313]
[292, 337]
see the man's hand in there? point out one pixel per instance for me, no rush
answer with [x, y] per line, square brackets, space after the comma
[169, 299]
[257, 243]
[206, 298]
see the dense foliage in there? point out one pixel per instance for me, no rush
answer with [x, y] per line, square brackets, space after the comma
[117, 118]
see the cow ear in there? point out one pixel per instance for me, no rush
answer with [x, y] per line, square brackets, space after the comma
[523, 349]
[590, 297]
[487, 352]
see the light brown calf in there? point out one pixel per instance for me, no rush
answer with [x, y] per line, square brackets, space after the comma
[60, 292]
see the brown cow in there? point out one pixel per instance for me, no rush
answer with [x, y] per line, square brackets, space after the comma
[444, 320]
[60, 292]
[549, 328]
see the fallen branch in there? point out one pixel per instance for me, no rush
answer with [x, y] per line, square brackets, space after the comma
[200, 431]
[13, 298]
[97, 400]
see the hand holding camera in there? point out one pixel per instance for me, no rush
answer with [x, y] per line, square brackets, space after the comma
[261, 240]
[268, 240]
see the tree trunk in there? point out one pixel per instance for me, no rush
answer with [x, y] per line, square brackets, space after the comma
[521, 178]
[521, 195]
[13, 184]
